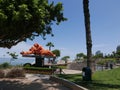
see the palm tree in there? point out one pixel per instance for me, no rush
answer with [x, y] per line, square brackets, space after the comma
[50, 44]
[88, 32]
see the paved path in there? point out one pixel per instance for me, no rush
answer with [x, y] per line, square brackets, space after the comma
[68, 71]
[31, 82]
[34, 82]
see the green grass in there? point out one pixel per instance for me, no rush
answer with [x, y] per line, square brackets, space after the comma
[102, 80]
[5, 65]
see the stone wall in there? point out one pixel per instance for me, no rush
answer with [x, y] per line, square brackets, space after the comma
[76, 65]
[79, 65]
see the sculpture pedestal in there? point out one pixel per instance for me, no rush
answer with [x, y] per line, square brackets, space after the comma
[39, 62]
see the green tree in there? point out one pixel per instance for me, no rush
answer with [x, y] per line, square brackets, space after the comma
[65, 58]
[88, 32]
[50, 44]
[56, 52]
[80, 55]
[25, 19]
[118, 48]
[118, 54]
[118, 51]
[98, 54]
[13, 55]
[113, 54]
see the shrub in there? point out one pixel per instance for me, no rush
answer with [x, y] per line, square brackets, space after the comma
[27, 65]
[38, 70]
[15, 72]
[2, 74]
[5, 65]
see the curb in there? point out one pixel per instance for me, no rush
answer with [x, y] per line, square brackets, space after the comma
[67, 83]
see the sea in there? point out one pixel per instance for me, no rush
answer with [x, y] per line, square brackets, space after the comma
[19, 61]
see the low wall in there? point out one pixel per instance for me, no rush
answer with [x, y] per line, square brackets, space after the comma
[67, 83]
[80, 65]
[76, 65]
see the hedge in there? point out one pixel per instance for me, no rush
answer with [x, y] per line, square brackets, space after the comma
[39, 70]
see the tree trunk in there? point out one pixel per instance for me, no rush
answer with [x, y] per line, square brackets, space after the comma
[88, 32]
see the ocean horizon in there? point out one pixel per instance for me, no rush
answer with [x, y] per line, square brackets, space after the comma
[19, 61]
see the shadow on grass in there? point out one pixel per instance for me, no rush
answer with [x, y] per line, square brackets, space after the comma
[97, 85]
[91, 85]
[67, 76]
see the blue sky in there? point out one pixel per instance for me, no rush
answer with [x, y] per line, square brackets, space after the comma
[69, 36]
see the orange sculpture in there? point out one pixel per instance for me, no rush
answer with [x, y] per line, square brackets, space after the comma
[38, 50]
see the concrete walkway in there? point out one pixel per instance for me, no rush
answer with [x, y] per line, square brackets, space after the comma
[34, 82]
[31, 82]
[68, 71]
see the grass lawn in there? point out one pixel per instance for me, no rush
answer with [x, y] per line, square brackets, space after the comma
[102, 80]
